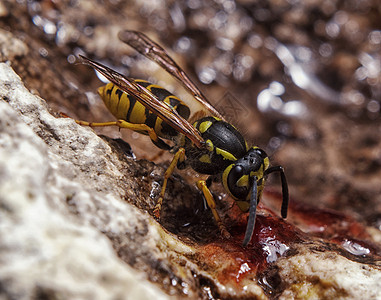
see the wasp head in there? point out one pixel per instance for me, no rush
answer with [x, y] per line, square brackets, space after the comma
[244, 181]
[238, 178]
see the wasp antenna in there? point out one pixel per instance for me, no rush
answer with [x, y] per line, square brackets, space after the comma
[284, 208]
[252, 214]
[285, 196]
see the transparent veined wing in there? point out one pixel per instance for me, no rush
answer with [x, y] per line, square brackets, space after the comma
[145, 46]
[167, 113]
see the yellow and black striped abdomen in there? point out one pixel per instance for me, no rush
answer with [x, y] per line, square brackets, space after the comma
[126, 107]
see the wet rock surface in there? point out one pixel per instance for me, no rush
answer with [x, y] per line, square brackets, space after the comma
[75, 206]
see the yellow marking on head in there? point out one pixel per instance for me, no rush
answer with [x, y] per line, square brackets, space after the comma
[260, 189]
[243, 205]
[266, 162]
[225, 175]
[258, 174]
[205, 159]
[225, 154]
[204, 126]
[243, 181]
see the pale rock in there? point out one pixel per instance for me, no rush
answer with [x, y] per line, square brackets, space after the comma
[45, 248]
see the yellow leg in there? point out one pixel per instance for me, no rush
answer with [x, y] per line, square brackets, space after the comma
[123, 124]
[201, 184]
[179, 157]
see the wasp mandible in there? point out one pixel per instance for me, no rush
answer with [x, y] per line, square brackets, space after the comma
[202, 138]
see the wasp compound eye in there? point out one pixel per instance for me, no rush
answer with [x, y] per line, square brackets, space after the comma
[236, 172]
[238, 182]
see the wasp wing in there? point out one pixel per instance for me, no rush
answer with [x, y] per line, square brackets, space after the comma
[145, 46]
[150, 101]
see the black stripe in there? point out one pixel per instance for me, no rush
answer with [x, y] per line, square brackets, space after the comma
[150, 118]
[119, 93]
[160, 93]
[173, 101]
[142, 82]
[119, 98]
[109, 91]
[183, 111]
[132, 100]
[168, 130]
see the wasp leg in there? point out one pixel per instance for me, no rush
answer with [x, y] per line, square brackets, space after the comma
[136, 127]
[179, 157]
[202, 186]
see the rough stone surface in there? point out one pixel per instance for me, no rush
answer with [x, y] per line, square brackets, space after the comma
[328, 276]
[46, 250]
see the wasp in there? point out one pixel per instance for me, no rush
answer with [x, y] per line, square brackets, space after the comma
[202, 138]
